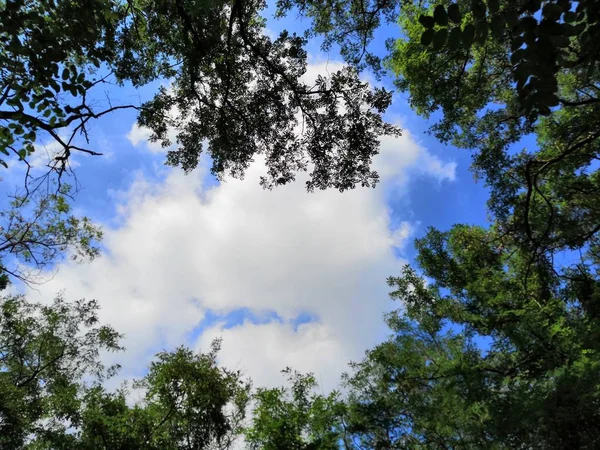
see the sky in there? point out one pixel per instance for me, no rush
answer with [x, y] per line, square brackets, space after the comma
[286, 278]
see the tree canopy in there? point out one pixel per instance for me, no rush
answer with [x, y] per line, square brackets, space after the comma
[495, 343]
[232, 88]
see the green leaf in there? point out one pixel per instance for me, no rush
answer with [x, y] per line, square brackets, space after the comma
[440, 16]
[529, 23]
[570, 17]
[549, 99]
[533, 6]
[493, 6]
[497, 25]
[481, 32]
[478, 8]
[552, 11]
[517, 56]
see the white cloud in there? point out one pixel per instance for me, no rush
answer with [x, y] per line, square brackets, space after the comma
[182, 250]
[141, 136]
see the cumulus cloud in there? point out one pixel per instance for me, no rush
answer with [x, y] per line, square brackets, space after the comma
[183, 250]
[185, 258]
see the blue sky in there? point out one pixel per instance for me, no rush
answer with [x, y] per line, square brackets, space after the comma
[284, 277]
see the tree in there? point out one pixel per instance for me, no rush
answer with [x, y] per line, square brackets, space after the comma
[496, 349]
[189, 403]
[231, 86]
[46, 351]
[493, 73]
[539, 71]
[52, 396]
[37, 231]
[493, 352]
[296, 418]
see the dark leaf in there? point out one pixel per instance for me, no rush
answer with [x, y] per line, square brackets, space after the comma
[427, 21]
[440, 15]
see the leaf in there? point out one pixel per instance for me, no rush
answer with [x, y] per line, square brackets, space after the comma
[478, 9]
[440, 38]
[454, 40]
[549, 99]
[454, 13]
[570, 17]
[65, 74]
[493, 6]
[427, 21]
[468, 35]
[533, 6]
[440, 16]
[528, 23]
[521, 74]
[481, 32]
[497, 25]
[517, 56]
[552, 11]
[427, 37]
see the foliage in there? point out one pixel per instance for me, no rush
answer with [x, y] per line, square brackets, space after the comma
[38, 230]
[189, 403]
[46, 351]
[498, 348]
[531, 73]
[296, 418]
[495, 352]
[49, 51]
[497, 72]
[231, 85]
[51, 395]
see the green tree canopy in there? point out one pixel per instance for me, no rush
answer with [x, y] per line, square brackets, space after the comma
[189, 403]
[295, 417]
[496, 346]
[492, 352]
[491, 73]
[52, 393]
[46, 351]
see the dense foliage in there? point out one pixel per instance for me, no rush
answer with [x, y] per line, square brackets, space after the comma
[51, 392]
[45, 353]
[231, 85]
[296, 418]
[496, 347]
[496, 341]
